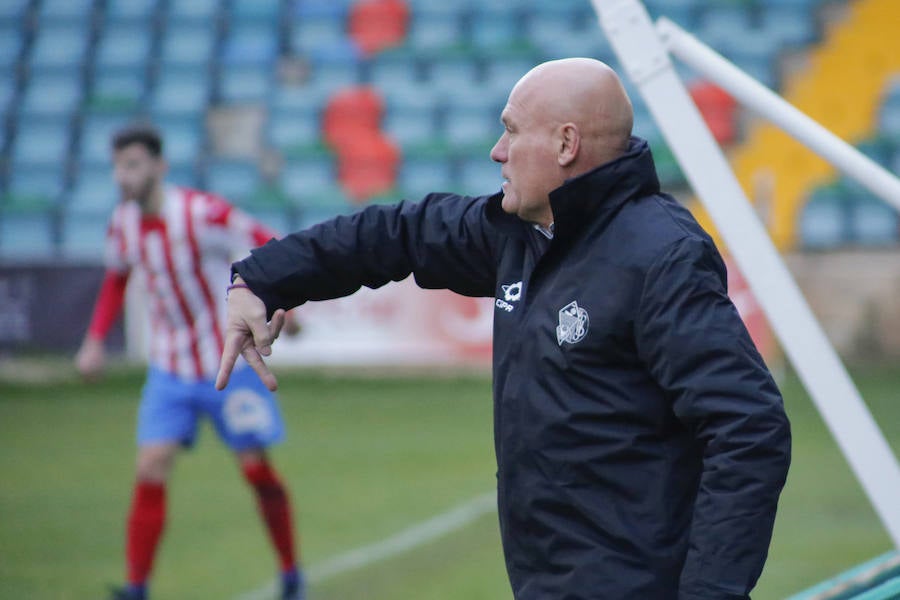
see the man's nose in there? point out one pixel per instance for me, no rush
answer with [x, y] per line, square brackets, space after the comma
[498, 152]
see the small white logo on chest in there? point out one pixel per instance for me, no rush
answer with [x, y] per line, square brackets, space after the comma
[512, 292]
[573, 324]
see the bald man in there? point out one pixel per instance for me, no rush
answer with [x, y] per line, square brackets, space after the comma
[641, 442]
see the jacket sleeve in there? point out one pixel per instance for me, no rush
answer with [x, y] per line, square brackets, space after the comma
[697, 348]
[444, 241]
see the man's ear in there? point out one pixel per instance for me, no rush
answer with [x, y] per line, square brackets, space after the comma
[569, 144]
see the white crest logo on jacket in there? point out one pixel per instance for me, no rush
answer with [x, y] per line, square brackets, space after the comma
[573, 324]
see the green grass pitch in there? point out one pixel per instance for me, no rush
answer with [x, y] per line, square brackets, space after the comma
[364, 458]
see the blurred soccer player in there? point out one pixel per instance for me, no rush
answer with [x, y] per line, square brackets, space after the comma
[183, 241]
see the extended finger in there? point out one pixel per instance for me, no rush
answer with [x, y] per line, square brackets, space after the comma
[254, 359]
[230, 352]
[276, 323]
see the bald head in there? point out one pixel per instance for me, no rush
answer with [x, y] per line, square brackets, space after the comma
[586, 93]
[563, 119]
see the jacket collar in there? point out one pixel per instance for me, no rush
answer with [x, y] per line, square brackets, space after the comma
[600, 193]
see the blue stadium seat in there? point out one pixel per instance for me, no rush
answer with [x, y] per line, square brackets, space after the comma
[234, 179]
[312, 9]
[453, 77]
[323, 40]
[410, 128]
[26, 236]
[201, 12]
[94, 192]
[95, 145]
[386, 73]
[187, 44]
[788, 26]
[471, 129]
[255, 10]
[117, 90]
[489, 33]
[479, 176]
[307, 179]
[52, 94]
[59, 46]
[8, 91]
[134, 11]
[83, 235]
[245, 85]
[41, 184]
[124, 47]
[889, 119]
[301, 98]
[873, 221]
[181, 92]
[290, 128]
[433, 34]
[12, 11]
[420, 176]
[66, 11]
[183, 138]
[824, 220]
[250, 44]
[11, 38]
[501, 74]
[43, 143]
[324, 79]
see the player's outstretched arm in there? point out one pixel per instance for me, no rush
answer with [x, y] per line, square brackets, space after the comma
[248, 334]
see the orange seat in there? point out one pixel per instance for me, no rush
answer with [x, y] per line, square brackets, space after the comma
[378, 24]
[718, 109]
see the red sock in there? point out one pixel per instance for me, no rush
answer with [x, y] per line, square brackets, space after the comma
[275, 509]
[145, 525]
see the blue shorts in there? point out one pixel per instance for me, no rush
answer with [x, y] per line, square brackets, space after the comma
[245, 414]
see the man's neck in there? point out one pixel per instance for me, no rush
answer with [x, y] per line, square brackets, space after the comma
[153, 206]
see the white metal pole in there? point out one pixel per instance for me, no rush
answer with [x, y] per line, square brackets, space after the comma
[767, 103]
[644, 57]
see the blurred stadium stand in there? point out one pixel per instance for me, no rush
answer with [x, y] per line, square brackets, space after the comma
[74, 70]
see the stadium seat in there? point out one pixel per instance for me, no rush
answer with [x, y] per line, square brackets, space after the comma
[194, 12]
[26, 236]
[410, 128]
[308, 178]
[124, 47]
[95, 143]
[34, 187]
[116, 90]
[182, 138]
[59, 46]
[41, 143]
[12, 11]
[51, 94]
[66, 11]
[873, 222]
[420, 176]
[376, 25]
[479, 176]
[83, 236]
[132, 11]
[244, 11]
[94, 193]
[501, 74]
[788, 26]
[181, 92]
[824, 220]
[312, 9]
[289, 129]
[453, 77]
[233, 179]
[434, 35]
[490, 33]
[244, 85]
[309, 33]
[471, 130]
[187, 44]
[11, 41]
[249, 44]
[388, 72]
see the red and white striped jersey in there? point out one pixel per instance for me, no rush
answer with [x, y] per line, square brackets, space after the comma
[185, 254]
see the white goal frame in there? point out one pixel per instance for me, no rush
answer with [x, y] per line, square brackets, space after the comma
[644, 51]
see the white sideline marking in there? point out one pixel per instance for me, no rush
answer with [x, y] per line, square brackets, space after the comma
[407, 539]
